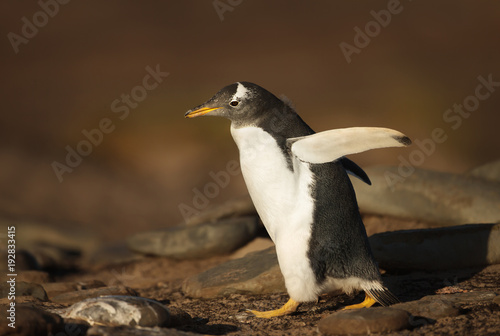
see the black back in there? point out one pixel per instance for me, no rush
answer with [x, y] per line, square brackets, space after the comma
[338, 245]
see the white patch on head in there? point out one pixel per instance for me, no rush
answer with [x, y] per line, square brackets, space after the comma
[241, 92]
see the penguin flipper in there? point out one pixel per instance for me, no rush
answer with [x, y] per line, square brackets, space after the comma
[331, 145]
[352, 168]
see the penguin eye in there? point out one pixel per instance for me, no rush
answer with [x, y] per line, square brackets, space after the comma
[234, 103]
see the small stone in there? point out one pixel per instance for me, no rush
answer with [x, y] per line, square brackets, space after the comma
[24, 289]
[257, 273]
[431, 307]
[120, 310]
[237, 207]
[364, 321]
[439, 248]
[30, 321]
[448, 199]
[199, 241]
[77, 296]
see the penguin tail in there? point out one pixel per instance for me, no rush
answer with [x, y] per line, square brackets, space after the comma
[383, 296]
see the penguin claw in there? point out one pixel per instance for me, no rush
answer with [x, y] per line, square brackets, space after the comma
[368, 302]
[288, 308]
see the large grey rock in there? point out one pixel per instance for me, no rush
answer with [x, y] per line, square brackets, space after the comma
[465, 298]
[364, 321]
[237, 207]
[489, 171]
[444, 198]
[199, 241]
[431, 307]
[120, 310]
[439, 248]
[256, 273]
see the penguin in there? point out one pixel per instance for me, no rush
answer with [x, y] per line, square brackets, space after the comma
[298, 181]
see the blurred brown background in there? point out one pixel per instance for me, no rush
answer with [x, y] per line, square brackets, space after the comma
[66, 77]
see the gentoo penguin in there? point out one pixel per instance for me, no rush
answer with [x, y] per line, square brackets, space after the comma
[298, 182]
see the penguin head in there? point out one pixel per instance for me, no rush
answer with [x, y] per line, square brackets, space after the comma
[243, 103]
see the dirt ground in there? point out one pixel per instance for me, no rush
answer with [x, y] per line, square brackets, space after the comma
[161, 279]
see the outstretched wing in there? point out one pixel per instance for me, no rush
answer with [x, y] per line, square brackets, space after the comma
[332, 145]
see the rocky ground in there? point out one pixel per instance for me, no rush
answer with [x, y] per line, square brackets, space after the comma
[201, 277]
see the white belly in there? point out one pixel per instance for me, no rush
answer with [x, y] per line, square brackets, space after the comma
[284, 204]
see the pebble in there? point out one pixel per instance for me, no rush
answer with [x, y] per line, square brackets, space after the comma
[120, 310]
[256, 273]
[364, 321]
[237, 207]
[31, 321]
[444, 198]
[201, 241]
[438, 248]
[77, 296]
